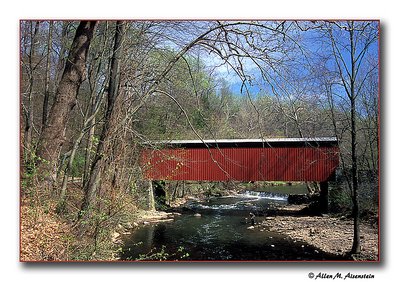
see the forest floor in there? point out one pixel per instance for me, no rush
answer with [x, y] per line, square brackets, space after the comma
[331, 234]
[44, 236]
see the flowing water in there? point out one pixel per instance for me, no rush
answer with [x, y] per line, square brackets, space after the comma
[223, 232]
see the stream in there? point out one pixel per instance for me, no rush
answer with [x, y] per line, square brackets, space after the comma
[219, 229]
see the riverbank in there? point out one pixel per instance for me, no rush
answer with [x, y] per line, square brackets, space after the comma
[333, 235]
[142, 218]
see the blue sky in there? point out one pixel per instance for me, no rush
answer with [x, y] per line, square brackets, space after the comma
[314, 48]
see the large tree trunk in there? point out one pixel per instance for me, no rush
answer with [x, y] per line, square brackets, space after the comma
[52, 137]
[96, 101]
[62, 53]
[92, 184]
[88, 124]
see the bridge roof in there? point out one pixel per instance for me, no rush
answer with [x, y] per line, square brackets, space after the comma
[252, 143]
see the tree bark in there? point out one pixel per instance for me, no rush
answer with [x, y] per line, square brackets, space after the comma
[354, 170]
[88, 152]
[52, 137]
[29, 106]
[47, 81]
[91, 186]
[62, 54]
[96, 101]
[152, 202]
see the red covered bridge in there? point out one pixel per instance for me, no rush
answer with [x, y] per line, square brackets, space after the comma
[280, 159]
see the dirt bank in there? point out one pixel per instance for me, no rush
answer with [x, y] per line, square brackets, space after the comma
[331, 234]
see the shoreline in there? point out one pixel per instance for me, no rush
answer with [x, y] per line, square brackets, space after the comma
[331, 234]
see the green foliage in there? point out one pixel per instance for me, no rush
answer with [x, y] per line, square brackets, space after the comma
[99, 247]
[95, 143]
[97, 229]
[198, 120]
[29, 170]
[78, 165]
[281, 187]
[162, 254]
[339, 199]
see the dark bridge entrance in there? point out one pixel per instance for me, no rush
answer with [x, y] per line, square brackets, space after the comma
[279, 159]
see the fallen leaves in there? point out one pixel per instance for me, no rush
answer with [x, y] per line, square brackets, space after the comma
[43, 235]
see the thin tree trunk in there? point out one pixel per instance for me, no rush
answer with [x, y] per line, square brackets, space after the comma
[96, 100]
[29, 106]
[356, 239]
[47, 80]
[71, 159]
[152, 202]
[356, 216]
[87, 125]
[183, 189]
[88, 152]
[52, 137]
[349, 84]
[174, 191]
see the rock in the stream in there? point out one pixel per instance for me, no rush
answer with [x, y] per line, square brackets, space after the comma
[172, 214]
[197, 215]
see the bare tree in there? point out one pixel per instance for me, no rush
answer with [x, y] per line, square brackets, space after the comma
[348, 58]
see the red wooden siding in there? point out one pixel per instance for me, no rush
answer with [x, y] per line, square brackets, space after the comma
[241, 164]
